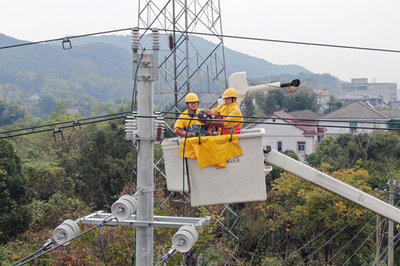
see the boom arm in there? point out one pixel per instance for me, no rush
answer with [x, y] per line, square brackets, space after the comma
[238, 81]
[333, 185]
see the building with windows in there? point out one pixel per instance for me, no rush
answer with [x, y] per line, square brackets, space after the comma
[297, 131]
[359, 117]
[360, 86]
[375, 100]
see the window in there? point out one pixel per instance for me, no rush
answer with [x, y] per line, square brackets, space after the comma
[394, 124]
[320, 138]
[301, 146]
[279, 146]
[353, 127]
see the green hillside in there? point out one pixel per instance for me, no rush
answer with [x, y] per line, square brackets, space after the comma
[97, 71]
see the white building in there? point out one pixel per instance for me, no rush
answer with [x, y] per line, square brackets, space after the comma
[361, 86]
[296, 131]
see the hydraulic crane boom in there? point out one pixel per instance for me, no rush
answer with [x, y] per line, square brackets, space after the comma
[331, 184]
[238, 81]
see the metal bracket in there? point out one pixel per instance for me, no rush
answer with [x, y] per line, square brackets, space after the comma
[146, 189]
[159, 221]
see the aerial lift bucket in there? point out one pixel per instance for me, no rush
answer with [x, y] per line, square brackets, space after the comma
[242, 180]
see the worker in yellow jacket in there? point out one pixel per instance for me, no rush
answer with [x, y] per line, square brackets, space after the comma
[188, 124]
[228, 111]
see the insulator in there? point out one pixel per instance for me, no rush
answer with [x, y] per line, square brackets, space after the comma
[191, 230]
[159, 133]
[135, 39]
[65, 232]
[131, 128]
[121, 209]
[156, 39]
[73, 225]
[132, 200]
[124, 207]
[184, 239]
[159, 129]
[171, 42]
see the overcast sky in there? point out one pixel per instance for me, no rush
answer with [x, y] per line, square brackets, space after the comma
[363, 23]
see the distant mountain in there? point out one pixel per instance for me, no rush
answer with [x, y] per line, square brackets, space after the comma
[98, 69]
[234, 61]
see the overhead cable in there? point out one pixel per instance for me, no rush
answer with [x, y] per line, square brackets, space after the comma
[352, 239]
[60, 123]
[216, 35]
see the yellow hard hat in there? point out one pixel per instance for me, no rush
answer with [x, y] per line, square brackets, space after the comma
[191, 97]
[231, 92]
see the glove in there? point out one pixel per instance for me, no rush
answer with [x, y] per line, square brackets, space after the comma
[191, 135]
[203, 116]
[217, 123]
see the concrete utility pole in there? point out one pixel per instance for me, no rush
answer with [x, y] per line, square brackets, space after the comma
[392, 185]
[378, 240]
[145, 173]
[391, 224]
[147, 74]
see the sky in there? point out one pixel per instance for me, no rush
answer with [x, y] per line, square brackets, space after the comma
[361, 23]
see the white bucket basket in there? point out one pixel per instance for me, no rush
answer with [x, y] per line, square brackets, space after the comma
[243, 179]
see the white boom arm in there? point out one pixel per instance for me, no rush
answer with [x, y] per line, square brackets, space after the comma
[238, 81]
[333, 185]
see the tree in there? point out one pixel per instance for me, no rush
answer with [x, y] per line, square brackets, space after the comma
[10, 113]
[14, 195]
[247, 106]
[378, 152]
[333, 104]
[297, 212]
[105, 165]
[280, 100]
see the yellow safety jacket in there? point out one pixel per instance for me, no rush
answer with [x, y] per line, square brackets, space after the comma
[212, 150]
[192, 125]
[230, 112]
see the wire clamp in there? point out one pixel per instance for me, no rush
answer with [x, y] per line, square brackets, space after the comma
[57, 130]
[76, 123]
[66, 44]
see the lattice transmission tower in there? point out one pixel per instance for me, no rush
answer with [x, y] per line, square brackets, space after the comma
[184, 67]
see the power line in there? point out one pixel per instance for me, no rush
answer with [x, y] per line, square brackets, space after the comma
[60, 123]
[174, 118]
[327, 242]
[294, 124]
[60, 128]
[320, 234]
[63, 38]
[354, 237]
[215, 35]
[362, 244]
[299, 43]
[375, 122]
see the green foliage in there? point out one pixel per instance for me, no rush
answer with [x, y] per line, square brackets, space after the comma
[280, 100]
[55, 210]
[46, 178]
[297, 211]
[378, 152]
[105, 165]
[10, 113]
[333, 104]
[247, 106]
[14, 195]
